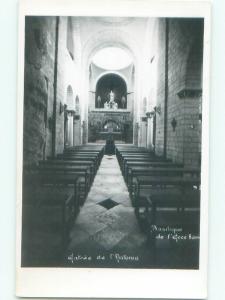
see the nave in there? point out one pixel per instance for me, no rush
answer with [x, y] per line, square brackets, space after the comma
[112, 132]
[117, 223]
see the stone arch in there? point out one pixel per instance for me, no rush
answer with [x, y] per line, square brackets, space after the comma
[111, 82]
[110, 72]
[108, 38]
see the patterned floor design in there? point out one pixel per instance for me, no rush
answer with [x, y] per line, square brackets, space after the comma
[107, 224]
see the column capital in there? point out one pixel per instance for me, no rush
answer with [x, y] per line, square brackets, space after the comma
[70, 112]
[189, 93]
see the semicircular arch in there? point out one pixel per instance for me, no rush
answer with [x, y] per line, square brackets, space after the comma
[107, 84]
[110, 38]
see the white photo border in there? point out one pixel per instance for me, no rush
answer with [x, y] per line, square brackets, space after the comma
[127, 283]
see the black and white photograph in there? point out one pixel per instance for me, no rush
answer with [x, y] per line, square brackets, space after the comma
[112, 120]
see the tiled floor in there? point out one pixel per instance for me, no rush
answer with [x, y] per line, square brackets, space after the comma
[107, 224]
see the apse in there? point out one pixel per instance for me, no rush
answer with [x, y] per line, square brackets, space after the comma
[111, 83]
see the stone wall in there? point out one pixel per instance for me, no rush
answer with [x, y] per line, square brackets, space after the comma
[38, 88]
[180, 86]
[45, 83]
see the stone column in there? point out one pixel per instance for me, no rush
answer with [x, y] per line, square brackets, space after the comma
[143, 132]
[70, 115]
[136, 131]
[149, 134]
[76, 130]
[150, 130]
[84, 135]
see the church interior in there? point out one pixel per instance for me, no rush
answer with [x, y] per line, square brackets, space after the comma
[112, 142]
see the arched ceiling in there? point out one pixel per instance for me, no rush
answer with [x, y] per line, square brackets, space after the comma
[117, 21]
[110, 38]
[112, 58]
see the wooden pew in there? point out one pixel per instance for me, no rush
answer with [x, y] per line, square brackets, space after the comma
[121, 154]
[79, 161]
[96, 154]
[179, 200]
[180, 211]
[161, 184]
[61, 180]
[84, 156]
[128, 156]
[165, 169]
[144, 160]
[87, 149]
[46, 226]
[151, 183]
[47, 196]
[88, 165]
[83, 171]
[160, 163]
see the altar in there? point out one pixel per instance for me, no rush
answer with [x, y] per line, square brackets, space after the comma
[115, 136]
[110, 121]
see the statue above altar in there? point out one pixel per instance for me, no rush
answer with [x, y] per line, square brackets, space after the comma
[111, 104]
[111, 96]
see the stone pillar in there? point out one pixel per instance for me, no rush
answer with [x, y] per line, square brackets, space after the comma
[150, 117]
[143, 132]
[136, 133]
[65, 129]
[149, 133]
[76, 131]
[84, 135]
[70, 131]
[70, 115]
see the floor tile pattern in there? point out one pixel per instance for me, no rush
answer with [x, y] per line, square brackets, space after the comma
[107, 223]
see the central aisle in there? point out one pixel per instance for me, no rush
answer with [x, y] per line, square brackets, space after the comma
[106, 224]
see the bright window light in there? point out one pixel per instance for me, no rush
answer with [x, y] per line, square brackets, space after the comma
[112, 58]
